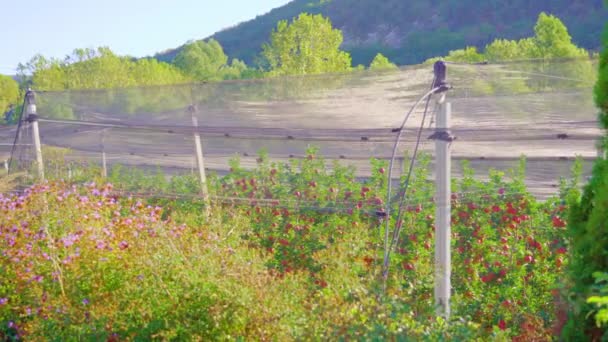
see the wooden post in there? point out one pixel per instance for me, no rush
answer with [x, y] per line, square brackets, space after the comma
[199, 152]
[32, 117]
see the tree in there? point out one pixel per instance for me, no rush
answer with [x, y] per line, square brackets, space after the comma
[309, 45]
[380, 62]
[149, 71]
[528, 48]
[202, 60]
[236, 70]
[503, 50]
[466, 55]
[9, 94]
[98, 69]
[588, 227]
[552, 39]
[43, 73]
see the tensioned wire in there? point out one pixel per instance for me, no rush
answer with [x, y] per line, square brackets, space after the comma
[308, 204]
[17, 134]
[341, 135]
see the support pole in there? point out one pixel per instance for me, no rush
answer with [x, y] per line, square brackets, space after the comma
[443, 260]
[32, 117]
[443, 231]
[199, 152]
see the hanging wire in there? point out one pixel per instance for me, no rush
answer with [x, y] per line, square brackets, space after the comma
[403, 194]
[390, 171]
[366, 136]
[525, 60]
[17, 133]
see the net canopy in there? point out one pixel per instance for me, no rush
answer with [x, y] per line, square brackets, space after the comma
[543, 110]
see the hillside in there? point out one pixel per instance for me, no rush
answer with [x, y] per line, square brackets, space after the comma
[412, 31]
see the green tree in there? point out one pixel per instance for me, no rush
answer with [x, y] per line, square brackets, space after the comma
[601, 298]
[467, 55]
[552, 39]
[380, 62]
[44, 73]
[202, 60]
[309, 45]
[236, 70]
[528, 48]
[150, 71]
[9, 94]
[503, 50]
[601, 87]
[98, 69]
[588, 226]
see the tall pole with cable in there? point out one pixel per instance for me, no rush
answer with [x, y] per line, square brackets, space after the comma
[443, 140]
[438, 86]
[32, 117]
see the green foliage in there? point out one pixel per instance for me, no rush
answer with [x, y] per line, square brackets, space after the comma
[551, 41]
[588, 228]
[97, 69]
[9, 95]
[307, 45]
[380, 62]
[236, 70]
[295, 259]
[203, 60]
[504, 50]
[601, 87]
[588, 232]
[601, 300]
[466, 55]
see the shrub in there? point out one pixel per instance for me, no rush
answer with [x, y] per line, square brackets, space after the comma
[588, 228]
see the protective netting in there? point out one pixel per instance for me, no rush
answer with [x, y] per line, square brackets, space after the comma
[543, 110]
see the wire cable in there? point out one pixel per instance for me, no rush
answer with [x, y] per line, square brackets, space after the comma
[403, 196]
[19, 125]
[390, 171]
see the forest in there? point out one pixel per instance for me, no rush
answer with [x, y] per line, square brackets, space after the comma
[409, 32]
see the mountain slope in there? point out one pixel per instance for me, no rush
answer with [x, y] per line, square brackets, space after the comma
[412, 31]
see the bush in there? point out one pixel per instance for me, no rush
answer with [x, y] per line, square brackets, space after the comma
[588, 228]
[299, 258]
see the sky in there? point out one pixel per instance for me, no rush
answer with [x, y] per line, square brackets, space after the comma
[129, 27]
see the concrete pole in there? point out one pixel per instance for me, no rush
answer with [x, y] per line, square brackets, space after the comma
[32, 117]
[199, 152]
[443, 261]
